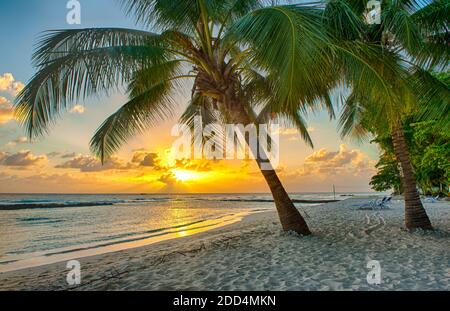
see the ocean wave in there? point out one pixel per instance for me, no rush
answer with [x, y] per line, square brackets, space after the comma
[20, 206]
[42, 204]
[123, 237]
[270, 200]
[39, 220]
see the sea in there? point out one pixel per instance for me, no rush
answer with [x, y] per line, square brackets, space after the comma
[37, 229]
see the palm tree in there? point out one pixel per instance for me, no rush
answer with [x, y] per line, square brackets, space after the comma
[415, 33]
[245, 60]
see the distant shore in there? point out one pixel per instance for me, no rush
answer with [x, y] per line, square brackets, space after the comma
[254, 254]
[20, 206]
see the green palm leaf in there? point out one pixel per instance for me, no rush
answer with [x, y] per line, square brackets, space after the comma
[140, 113]
[70, 70]
[286, 42]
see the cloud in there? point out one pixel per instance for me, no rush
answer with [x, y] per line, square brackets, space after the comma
[86, 163]
[291, 134]
[6, 111]
[53, 154]
[79, 109]
[171, 184]
[149, 160]
[10, 85]
[168, 178]
[45, 182]
[69, 155]
[321, 155]
[194, 165]
[21, 140]
[17, 141]
[287, 131]
[21, 159]
[324, 163]
[144, 158]
[336, 158]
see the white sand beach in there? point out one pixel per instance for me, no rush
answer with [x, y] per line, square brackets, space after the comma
[254, 254]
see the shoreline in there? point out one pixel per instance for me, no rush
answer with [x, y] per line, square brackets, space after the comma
[254, 254]
[161, 248]
[85, 251]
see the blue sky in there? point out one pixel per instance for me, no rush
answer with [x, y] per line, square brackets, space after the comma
[23, 20]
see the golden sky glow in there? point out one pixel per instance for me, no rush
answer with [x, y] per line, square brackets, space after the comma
[61, 161]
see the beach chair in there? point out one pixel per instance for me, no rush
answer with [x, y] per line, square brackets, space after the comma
[432, 199]
[377, 204]
[384, 203]
[368, 205]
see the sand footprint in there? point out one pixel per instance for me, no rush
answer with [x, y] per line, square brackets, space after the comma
[381, 223]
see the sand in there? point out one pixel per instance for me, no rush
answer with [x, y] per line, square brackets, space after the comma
[255, 254]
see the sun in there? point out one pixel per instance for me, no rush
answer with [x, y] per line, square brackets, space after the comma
[184, 175]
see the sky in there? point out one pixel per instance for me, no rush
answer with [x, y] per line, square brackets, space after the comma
[61, 162]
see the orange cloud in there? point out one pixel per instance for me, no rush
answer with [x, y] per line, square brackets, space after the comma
[144, 158]
[86, 163]
[10, 85]
[17, 141]
[21, 159]
[79, 109]
[6, 111]
[323, 163]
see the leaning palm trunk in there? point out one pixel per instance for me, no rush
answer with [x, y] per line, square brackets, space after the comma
[415, 214]
[290, 217]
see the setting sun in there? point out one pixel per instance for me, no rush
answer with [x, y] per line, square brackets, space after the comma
[184, 175]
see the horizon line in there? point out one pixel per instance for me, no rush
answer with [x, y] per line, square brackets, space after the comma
[172, 193]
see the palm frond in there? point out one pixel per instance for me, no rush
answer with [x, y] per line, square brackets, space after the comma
[233, 9]
[351, 119]
[434, 17]
[288, 43]
[435, 52]
[202, 107]
[154, 74]
[143, 111]
[433, 95]
[76, 76]
[164, 14]
[406, 32]
[342, 21]
[371, 70]
[296, 120]
[75, 64]
[60, 43]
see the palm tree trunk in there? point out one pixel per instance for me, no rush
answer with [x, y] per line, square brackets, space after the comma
[415, 214]
[290, 217]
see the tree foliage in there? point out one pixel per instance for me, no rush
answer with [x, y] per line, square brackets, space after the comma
[429, 150]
